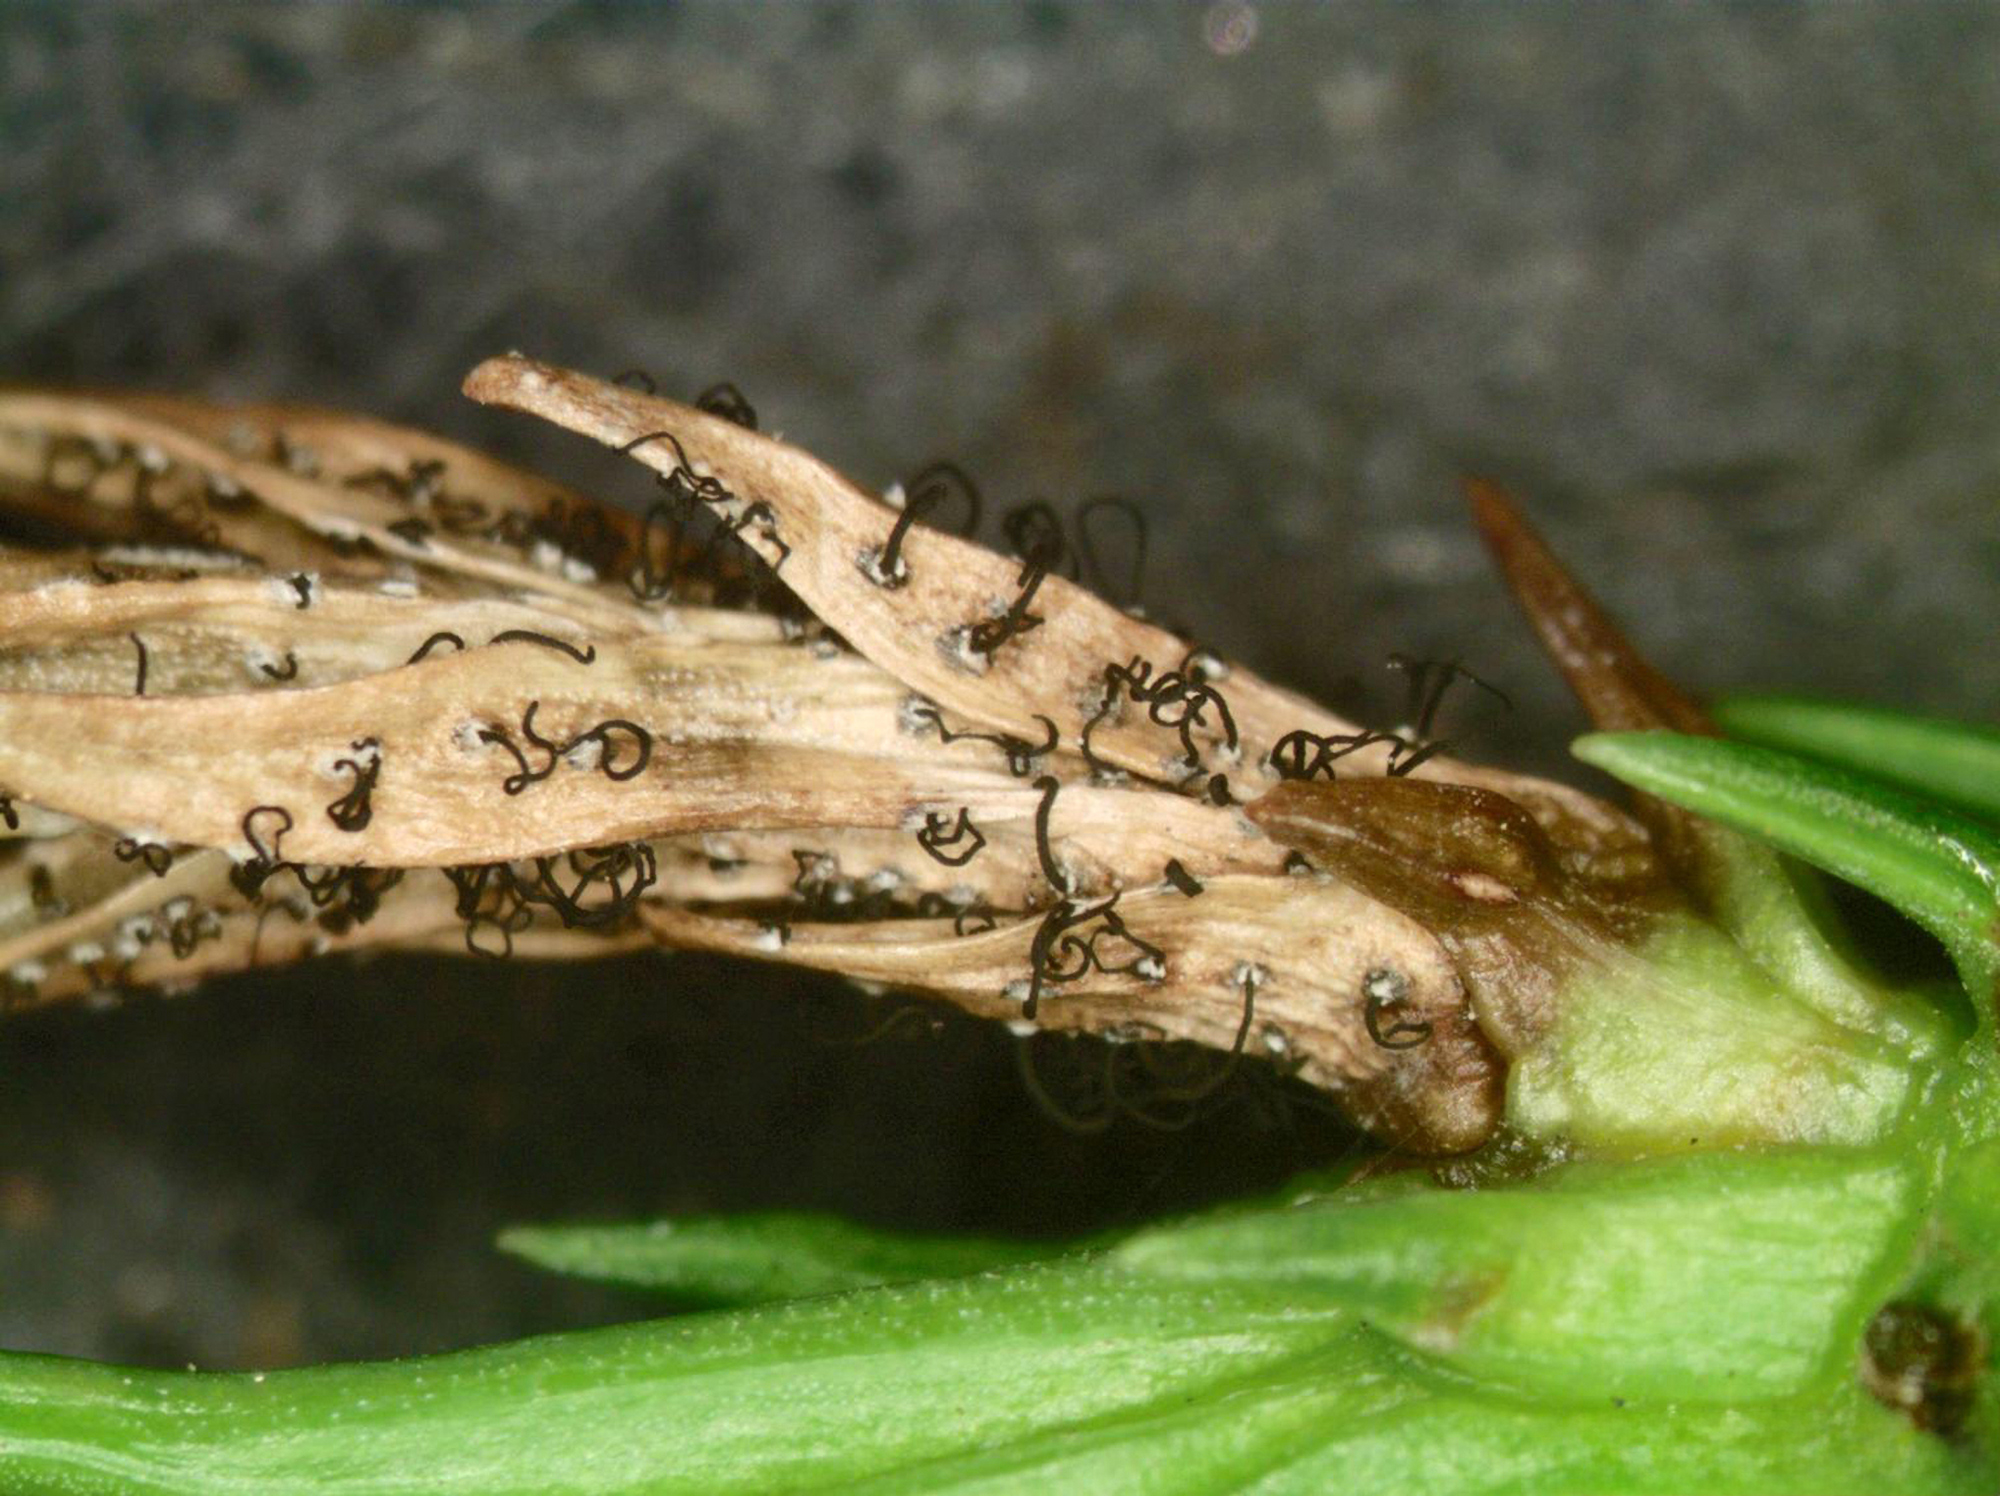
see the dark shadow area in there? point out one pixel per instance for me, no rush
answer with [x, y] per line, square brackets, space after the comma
[314, 1164]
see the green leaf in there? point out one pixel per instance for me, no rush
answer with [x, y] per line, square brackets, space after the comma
[756, 1259]
[1711, 1276]
[1956, 763]
[1939, 867]
[816, 1394]
[1051, 1377]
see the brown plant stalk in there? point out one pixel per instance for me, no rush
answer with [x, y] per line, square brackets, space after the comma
[276, 682]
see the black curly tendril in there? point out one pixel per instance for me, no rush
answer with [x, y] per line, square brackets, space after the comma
[611, 735]
[927, 491]
[1181, 699]
[726, 401]
[1022, 756]
[355, 809]
[264, 828]
[1386, 992]
[1059, 953]
[589, 888]
[953, 843]
[1300, 754]
[157, 859]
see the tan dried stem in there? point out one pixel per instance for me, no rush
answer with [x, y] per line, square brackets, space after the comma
[275, 682]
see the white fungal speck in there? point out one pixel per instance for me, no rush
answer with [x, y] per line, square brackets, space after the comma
[868, 561]
[170, 557]
[956, 647]
[1207, 667]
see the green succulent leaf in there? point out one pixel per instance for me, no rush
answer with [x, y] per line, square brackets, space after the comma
[756, 1259]
[1938, 866]
[1954, 763]
[1078, 1376]
[1712, 1276]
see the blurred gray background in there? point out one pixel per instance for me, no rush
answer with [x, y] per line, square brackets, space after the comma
[1718, 290]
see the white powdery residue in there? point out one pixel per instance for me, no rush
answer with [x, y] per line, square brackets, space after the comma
[576, 569]
[262, 663]
[397, 587]
[141, 927]
[545, 555]
[1385, 985]
[28, 973]
[338, 527]
[176, 557]
[956, 647]
[587, 754]
[894, 496]
[1017, 991]
[86, 951]
[466, 736]
[888, 880]
[768, 938]
[868, 561]
[1150, 969]
[1207, 667]
[1023, 1028]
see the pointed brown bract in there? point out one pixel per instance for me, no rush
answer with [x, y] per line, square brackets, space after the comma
[1620, 690]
